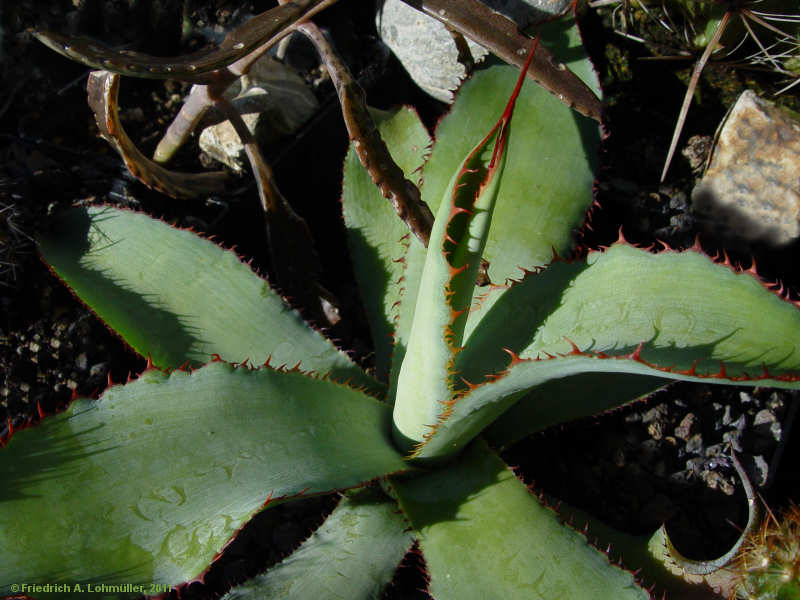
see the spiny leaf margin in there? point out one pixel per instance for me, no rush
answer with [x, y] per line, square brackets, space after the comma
[722, 344]
[176, 297]
[352, 555]
[152, 480]
[484, 535]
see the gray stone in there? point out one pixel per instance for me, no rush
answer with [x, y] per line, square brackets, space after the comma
[734, 439]
[426, 49]
[656, 413]
[751, 190]
[763, 417]
[767, 425]
[728, 416]
[715, 480]
[274, 103]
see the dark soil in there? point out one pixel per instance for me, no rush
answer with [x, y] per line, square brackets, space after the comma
[643, 465]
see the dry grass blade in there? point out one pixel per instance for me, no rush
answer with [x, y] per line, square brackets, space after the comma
[687, 99]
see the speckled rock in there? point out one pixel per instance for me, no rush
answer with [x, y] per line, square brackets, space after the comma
[426, 49]
[751, 190]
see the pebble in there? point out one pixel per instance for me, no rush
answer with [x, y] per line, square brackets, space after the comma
[733, 438]
[716, 480]
[758, 470]
[697, 150]
[98, 369]
[656, 413]
[694, 445]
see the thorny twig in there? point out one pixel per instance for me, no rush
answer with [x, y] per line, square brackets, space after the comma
[501, 36]
[205, 66]
[202, 96]
[214, 70]
[367, 143]
[295, 262]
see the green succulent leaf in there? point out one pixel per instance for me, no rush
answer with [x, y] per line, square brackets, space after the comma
[176, 297]
[587, 394]
[689, 312]
[378, 240]
[513, 315]
[546, 187]
[148, 483]
[671, 315]
[448, 278]
[648, 556]
[414, 263]
[484, 535]
[352, 556]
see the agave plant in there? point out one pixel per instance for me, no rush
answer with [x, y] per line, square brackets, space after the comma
[141, 489]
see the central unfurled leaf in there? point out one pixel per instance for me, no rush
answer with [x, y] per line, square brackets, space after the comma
[148, 483]
[448, 278]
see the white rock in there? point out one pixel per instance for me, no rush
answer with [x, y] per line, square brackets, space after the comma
[751, 190]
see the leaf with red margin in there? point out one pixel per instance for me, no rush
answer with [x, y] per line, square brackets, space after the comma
[448, 278]
[670, 315]
[377, 239]
[484, 535]
[352, 556]
[177, 297]
[674, 302]
[547, 183]
[147, 484]
[589, 394]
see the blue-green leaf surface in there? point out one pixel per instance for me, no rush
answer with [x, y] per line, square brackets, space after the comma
[377, 238]
[671, 315]
[148, 483]
[352, 556]
[547, 186]
[448, 278]
[483, 535]
[179, 298]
